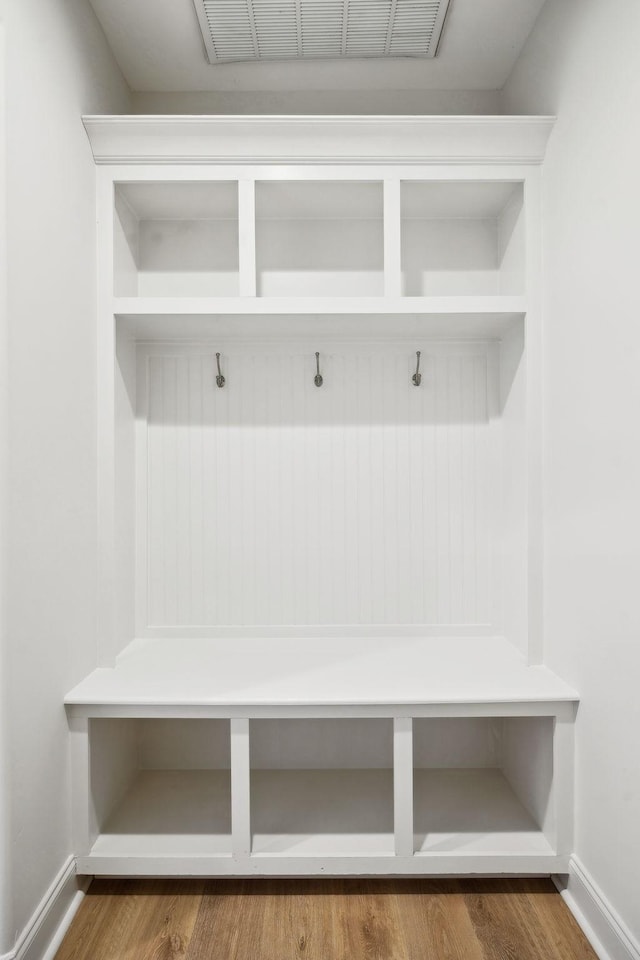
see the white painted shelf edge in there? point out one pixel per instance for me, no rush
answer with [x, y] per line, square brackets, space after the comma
[242, 676]
[477, 306]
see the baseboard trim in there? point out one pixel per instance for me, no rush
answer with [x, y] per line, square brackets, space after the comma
[52, 917]
[605, 930]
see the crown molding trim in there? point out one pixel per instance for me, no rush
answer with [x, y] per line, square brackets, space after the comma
[318, 139]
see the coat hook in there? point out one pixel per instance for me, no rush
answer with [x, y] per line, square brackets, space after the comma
[417, 377]
[219, 379]
[318, 377]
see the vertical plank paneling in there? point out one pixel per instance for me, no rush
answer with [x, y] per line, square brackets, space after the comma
[196, 435]
[212, 497]
[155, 494]
[364, 493]
[286, 481]
[272, 501]
[455, 487]
[235, 510]
[301, 541]
[184, 472]
[170, 473]
[350, 454]
[442, 524]
[375, 481]
[482, 495]
[469, 491]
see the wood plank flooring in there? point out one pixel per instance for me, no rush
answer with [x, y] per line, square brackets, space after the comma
[324, 920]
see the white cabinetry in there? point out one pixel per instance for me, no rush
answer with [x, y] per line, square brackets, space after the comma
[320, 643]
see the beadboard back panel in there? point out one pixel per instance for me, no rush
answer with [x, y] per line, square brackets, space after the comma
[272, 501]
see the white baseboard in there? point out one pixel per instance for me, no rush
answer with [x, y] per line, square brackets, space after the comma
[50, 921]
[604, 929]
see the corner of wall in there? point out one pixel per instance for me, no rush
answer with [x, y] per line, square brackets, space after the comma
[604, 929]
[55, 65]
[5, 889]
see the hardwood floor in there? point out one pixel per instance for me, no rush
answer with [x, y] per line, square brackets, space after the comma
[324, 920]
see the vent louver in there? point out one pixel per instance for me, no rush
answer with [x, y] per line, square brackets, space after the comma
[236, 30]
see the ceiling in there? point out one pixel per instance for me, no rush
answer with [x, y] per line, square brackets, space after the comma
[159, 47]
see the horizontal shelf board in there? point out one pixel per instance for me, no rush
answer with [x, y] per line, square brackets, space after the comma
[472, 812]
[333, 672]
[190, 327]
[431, 865]
[170, 813]
[490, 306]
[322, 812]
[313, 139]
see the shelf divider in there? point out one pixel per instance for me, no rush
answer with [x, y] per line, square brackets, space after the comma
[392, 239]
[247, 237]
[85, 827]
[403, 785]
[563, 783]
[240, 789]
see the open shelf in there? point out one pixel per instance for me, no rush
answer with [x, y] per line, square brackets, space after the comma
[319, 239]
[363, 326]
[472, 812]
[160, 788]
[483, 785]
[176, 308]
[322, 812]
[462, 238]
[170, 813]
[322, 787]
[176, 239]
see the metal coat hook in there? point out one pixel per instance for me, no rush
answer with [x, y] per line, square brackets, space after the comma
[417, 377]
[318, 377]
[219, 379]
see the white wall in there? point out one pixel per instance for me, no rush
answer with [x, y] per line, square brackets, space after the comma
[4, 799]
[58, 66]
[581, 62]
[389, 102]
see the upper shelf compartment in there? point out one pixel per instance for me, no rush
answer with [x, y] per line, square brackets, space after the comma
[319, 239]
[176, 239]
[462, 238]
[313, 239]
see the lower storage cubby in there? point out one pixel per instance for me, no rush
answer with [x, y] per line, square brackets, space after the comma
[483, 786]
[161, 788]
[322, 787]
[291, 795]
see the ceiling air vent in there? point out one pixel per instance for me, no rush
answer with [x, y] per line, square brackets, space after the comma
[236, 30]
